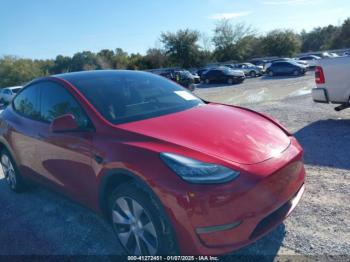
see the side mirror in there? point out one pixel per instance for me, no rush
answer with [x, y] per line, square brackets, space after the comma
[64, 123]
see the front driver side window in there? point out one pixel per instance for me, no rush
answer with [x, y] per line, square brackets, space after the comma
[57, 101]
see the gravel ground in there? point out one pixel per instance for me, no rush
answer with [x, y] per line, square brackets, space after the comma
[39, 222]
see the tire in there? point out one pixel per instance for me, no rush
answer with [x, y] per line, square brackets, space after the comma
[129, 223]
[207, 81]
[296, 73]
[252, 74]
[12, 176]
[191, 87]
[270, 73]
[230, 81]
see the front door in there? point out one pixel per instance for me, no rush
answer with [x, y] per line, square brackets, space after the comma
[66, 158]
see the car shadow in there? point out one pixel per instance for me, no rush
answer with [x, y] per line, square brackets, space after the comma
[202, 85]
[266, 77]
[40, 222]
[326, 143]
[265, 249]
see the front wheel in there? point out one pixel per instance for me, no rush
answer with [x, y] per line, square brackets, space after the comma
[230, 81]
[270, 73]
[207, 81]
[252, 74]
[13, 178]
[139, 222]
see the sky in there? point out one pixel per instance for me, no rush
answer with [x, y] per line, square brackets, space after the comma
[43, 29]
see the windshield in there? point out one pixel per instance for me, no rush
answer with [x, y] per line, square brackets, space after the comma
[124, 96]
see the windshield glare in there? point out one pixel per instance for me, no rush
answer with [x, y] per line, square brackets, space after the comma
[129, 96]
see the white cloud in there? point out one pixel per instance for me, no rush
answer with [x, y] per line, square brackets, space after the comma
[220, 16]
[288, 2]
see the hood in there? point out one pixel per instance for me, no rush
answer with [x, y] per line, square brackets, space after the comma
[222, 131]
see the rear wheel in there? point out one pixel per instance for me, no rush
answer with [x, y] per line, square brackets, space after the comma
[230, 81]
[207, 81]
[139, 222]
[270, 73]
[12, 176]
[252, 74]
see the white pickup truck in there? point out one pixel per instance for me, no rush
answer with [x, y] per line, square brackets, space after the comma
[333, 82]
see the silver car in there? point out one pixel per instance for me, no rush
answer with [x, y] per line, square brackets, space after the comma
[249, 69]
[8, 93]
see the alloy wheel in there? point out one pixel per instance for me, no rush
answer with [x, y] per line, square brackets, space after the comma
[134, 227]
[9, 171]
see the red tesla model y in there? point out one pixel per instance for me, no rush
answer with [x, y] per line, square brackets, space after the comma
[172, 173]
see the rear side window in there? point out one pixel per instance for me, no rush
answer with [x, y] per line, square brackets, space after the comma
[27, 102]
[57, 101]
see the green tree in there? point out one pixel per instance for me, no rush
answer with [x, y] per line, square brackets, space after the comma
[232, 42]
[319, 39]
[182, 47]
[155, 58]
[85, 60]
[105, 59]
[342, 40]
[16, 71]
[61, 64]
[281, 43]
[120, 59]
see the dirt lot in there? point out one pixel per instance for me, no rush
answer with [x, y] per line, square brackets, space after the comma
[41, 222]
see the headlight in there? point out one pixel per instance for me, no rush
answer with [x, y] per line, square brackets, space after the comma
[198, 172]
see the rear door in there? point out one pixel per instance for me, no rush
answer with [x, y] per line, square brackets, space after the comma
[66, 157]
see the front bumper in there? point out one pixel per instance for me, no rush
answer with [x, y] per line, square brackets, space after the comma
[320, 95]
[243, 210]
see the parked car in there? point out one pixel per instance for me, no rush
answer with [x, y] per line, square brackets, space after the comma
[182, 77]
[201, 71]
[286, 68]
[261, 63]
[146, 153]
[332, 80]
[248, 69]
[196, 78]
[310, 59]
[329, 55]
[223, 75]
[8, 93]
[300, 62]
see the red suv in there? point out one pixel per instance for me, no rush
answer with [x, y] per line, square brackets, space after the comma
[172, 173]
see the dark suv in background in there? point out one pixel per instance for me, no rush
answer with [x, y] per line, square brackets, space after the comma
[223, 75]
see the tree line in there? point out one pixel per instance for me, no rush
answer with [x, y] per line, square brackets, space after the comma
[185, 48]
